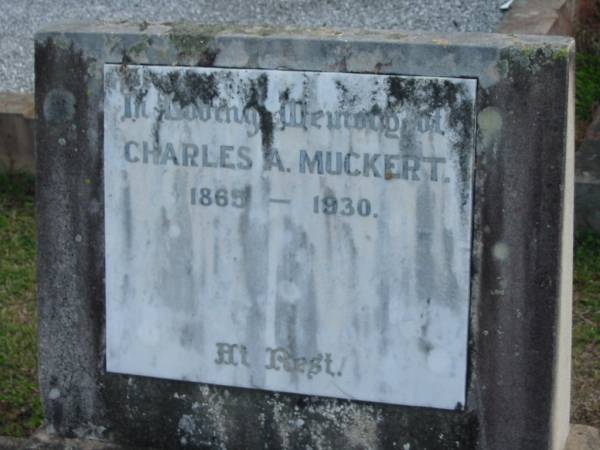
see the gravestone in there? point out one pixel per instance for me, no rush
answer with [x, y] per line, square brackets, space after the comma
[255, 238]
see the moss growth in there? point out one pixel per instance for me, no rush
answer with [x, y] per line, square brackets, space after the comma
[185, 88]
[195, 42]
[258, 96]
[190, 44]
[530, 58]
[560, 53]
[441, 42]
[141, 46]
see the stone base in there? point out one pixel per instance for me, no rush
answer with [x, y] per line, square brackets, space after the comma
[44, 441]
[581, 437]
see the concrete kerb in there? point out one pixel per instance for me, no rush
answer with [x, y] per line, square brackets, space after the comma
[540, 17]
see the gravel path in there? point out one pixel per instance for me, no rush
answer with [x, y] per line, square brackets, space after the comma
[19, 19]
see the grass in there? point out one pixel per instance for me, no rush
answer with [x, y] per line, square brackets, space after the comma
[587, 85]
[587, 81]
[586, 331]
[586, 312]
[20, 408]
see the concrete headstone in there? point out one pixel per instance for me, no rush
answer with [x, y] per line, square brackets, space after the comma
[257, 238]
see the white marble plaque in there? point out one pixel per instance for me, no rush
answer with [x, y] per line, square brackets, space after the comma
[304, 232]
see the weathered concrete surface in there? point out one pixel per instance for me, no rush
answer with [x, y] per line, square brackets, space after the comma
[520, 290]
[16, 132]
[9, 443]
[581, 437]
[540, 17]
[42, 440]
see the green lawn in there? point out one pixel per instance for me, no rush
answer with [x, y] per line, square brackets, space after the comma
[587, 90]
[586, 331]
[587, 78]
[587, 85]
[20, 408]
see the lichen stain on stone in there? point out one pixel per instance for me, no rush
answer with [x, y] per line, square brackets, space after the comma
[284, 96]
[363, 430]
[441, 42]
[59, 106]
[560, 53]
[358, 424]
[424, 96]
[345, 99]
[501, 251]
[131, 82]
[532, 59]
[196, 43]
[204, 421]
[256, 100]
[130, 78]
[138, 49]
[490, 125]
[61, 42]
[187, 88]
[433, 93]
[502, 68]
[461, 120]
[334, 424]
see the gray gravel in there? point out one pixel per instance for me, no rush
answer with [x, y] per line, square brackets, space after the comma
[19, 19]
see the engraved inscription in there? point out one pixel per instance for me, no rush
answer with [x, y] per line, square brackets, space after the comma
[303, 232]
[278, 359]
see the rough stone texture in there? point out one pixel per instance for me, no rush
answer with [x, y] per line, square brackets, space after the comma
[42, 440]
[16, 132]
[587, 179]
[540, 17]
[520, 289]
[8, 443]
[583, 437]
[20, 19]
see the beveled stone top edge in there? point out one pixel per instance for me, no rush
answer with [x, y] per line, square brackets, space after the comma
[480, 40]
